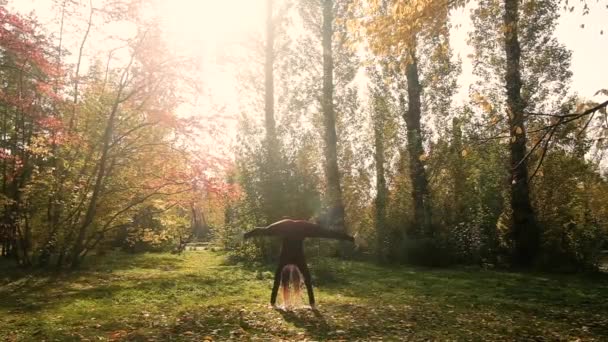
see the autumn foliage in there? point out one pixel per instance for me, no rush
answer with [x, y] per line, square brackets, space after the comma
[84, 153]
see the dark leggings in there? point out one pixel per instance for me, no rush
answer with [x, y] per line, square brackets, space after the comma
[307, 281]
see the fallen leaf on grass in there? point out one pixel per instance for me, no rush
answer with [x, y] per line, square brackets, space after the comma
[118, 334]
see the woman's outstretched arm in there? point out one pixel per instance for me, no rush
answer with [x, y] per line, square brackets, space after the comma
[314, 230]
[330, 234]
[255, 232]
[298, 229]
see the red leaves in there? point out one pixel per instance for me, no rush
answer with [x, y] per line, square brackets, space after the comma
[20, 39]
[31, 76]
[25, 54]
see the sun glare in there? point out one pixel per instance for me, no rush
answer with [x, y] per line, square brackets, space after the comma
[210, 31]
[209, 25]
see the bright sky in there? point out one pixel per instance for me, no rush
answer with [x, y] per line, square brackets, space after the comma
[212, 29]
[589, 47]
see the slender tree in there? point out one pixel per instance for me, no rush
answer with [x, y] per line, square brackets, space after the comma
[529, 73]
[397, 30]
[332, 174]
[273, 188]
[412, 116]
[380, 110]
[526, 235]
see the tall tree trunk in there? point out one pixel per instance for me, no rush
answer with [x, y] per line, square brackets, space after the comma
[269, 77]
[420, 188]
[458, 173]
[334, 192]
[4, 230]
[381, 188]
[524, 230]
[272, 184]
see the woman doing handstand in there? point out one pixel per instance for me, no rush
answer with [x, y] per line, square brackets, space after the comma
[293, 233]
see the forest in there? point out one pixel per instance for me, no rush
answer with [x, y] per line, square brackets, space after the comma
[460, 143]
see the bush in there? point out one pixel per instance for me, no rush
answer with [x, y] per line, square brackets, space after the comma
[572, 246]
[430, 252]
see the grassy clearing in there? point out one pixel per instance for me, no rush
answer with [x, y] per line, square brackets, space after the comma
[200, 296]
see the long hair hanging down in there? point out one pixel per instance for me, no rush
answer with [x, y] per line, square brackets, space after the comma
[291, 278]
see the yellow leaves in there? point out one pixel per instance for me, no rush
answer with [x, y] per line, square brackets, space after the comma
[486, 106]
[118, 335]
[387, 81]
[482, 101]
[580, 107]
[518, 130]
[423, 157]
[534, 140]
[464, 153]
[476, 96]
[393, 30]
[39, 146]
[396, 9]
[374, 4]
[351, 25]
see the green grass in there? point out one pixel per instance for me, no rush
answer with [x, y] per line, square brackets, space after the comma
[200, 295]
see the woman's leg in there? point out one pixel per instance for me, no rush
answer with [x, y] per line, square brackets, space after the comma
[307, 281]
[275, 286]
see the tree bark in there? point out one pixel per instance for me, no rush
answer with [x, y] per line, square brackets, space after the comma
[458, 173]
[332, 174]
[379, 120]
[272, 184]
[420, 191]
[524, 230]
[269, 76]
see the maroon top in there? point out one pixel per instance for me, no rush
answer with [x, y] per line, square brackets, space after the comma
[298, 229]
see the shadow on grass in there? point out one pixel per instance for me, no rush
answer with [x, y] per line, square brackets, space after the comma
[312, 321]
[31, 290]
[359, 300]
[120, 261]
[10, 272]
[42, 292]
[550, 298]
